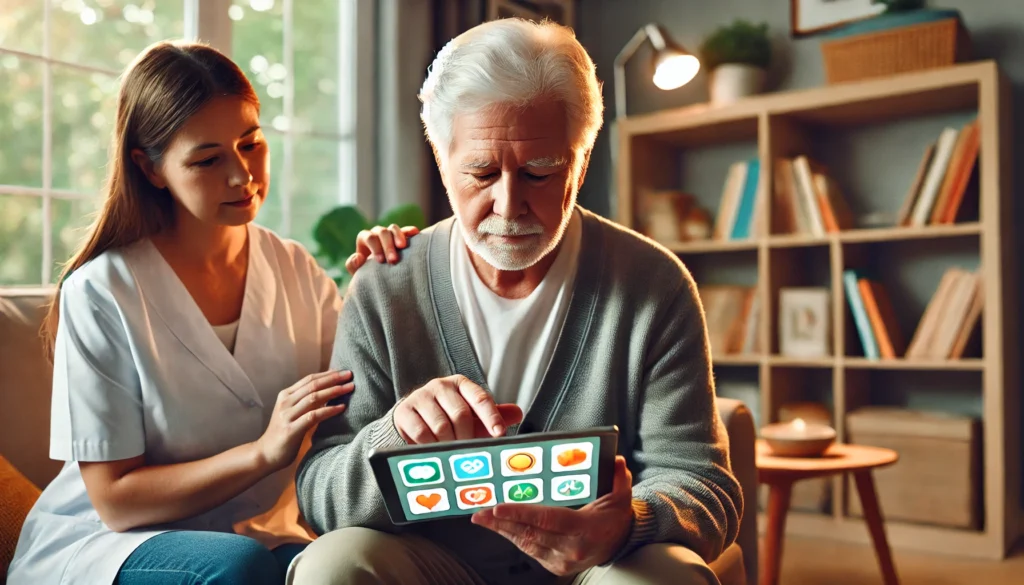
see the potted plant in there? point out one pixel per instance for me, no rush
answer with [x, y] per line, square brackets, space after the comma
[336, 231]
[737, 56]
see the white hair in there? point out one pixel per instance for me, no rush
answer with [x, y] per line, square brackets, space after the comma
[512, 62]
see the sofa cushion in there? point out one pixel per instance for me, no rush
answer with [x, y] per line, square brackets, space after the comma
[25, 380]
[19, 494]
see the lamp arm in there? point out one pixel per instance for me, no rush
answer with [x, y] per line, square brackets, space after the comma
[624, 55]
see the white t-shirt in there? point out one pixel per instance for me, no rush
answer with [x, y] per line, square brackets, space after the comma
[226, 334]
[514, 339]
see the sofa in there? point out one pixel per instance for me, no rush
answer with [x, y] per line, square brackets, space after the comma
[25, 466]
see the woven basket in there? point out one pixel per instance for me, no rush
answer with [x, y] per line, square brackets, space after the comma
[914, 47]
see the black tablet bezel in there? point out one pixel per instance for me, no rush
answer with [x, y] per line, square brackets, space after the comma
[378, 458]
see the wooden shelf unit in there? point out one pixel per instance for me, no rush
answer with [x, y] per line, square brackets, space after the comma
[651, 149]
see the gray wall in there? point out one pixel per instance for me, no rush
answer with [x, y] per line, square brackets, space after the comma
[877, 163]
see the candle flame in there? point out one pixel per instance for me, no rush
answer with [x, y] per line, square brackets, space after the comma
[799, 424]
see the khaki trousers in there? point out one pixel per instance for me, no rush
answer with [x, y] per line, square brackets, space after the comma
[360, 556]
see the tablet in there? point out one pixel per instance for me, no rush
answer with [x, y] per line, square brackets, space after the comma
[457, 478]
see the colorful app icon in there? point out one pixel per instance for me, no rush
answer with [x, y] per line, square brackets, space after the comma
[475, 496]
[417, 472]
[428, 501]
[570, 487]
[572, 456]
[522, 461]
[471, 466]
[524, 491]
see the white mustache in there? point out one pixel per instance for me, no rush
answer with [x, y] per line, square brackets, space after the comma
[498, 226]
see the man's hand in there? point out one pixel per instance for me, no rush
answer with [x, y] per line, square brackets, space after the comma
[568, 541]
[452, 408]
[380, 242]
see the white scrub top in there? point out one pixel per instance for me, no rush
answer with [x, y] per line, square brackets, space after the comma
[139, 370]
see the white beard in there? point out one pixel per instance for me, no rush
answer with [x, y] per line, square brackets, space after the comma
[513, 257]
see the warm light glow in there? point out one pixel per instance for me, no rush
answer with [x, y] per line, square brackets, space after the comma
[799, 424]
[675, 71]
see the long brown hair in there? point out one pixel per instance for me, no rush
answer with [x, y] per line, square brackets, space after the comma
[160, 90]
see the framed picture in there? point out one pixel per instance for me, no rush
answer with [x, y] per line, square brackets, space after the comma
[813, 16]
[805, 317]
[560, 11]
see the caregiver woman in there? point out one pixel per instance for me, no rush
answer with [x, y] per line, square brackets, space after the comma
[180, 322]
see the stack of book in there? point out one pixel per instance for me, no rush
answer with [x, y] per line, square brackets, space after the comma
[740, 204]
[937, 192]
[731, 313]
[807, 200]
[950, 317]
[873, 317]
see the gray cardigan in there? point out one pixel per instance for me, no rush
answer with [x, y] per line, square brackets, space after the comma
[633, 352]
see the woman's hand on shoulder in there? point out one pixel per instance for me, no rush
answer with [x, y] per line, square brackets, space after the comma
[382, 243]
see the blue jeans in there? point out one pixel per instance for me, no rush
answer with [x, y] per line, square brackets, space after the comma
[206, 558]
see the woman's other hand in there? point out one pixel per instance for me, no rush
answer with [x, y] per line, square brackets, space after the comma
[382, 243]
[298, 410]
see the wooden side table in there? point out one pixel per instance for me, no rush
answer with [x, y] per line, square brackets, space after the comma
[779, 474]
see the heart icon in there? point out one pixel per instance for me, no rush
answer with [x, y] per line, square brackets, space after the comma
[428, 501]
[472, 466]
[475, 496]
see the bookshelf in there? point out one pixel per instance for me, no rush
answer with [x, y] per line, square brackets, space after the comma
[683, 149]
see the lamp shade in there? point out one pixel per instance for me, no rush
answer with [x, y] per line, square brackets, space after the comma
[674, 66]
[674, 69]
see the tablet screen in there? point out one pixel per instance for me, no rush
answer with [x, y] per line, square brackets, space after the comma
[459, 481]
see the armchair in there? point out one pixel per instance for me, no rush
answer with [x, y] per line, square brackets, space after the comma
[738, 565]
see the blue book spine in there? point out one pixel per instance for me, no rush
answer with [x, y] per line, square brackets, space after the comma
[745, 214]
[860, 315]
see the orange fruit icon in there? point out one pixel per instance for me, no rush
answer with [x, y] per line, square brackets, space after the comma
[521, 462]
[475, 496]
[428, 502]
[571, 457]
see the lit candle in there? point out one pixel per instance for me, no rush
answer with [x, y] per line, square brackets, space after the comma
[798, 437]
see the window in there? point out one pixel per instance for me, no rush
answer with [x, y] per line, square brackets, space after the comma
[59, 67]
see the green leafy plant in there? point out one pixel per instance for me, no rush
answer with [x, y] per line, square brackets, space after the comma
[900, 5]
[336, 231]
[740, 42]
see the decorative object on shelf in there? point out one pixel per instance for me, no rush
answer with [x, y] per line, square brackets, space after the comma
[560, 11]
[804, 322]
[674, 66]
[895, 42]
[673, 216]
[798, 438]
[737, 56]
[809, 17]
[335, 234]
[696, 224]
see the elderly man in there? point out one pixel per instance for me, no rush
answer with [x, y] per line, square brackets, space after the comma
[523, 313]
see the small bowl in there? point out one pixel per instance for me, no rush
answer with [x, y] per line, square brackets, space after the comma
[809, 440]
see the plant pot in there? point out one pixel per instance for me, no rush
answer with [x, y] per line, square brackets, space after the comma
[734, 81]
